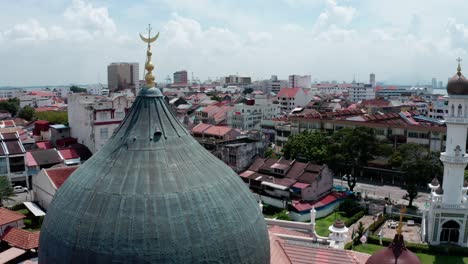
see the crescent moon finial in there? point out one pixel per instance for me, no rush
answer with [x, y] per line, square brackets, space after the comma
[149, 65]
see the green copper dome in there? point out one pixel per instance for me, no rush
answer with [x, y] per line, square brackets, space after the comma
[153, 195]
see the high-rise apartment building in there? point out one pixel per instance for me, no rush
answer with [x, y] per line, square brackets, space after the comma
[123, 75]
[372, 79]
[298, 81]
[180, 78]
[236, 80]
[434, 83]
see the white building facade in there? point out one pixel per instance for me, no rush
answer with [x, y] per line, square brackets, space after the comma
[250, 116]
[93, 119]
[290, 98]
[361, 91]
[447, 217]
[298, 81]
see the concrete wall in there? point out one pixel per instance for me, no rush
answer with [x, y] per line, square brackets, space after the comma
[43, 189]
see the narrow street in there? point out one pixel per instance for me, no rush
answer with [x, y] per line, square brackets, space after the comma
[381, 191]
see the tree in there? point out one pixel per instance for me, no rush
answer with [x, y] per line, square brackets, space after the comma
[270, 153]
[247, 91]
[216, 98]
[11, 105]
[350, 149]
[27, 113]
[56, 117]
[76, 89]
[419, 166]
[6, 191]
[311, 146]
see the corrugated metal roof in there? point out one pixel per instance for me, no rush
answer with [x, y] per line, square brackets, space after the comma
[152, 194]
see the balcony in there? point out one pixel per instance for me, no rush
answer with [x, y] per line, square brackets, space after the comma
[459, 120]
[450, 159]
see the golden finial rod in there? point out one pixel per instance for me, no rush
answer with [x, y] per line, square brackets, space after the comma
[459, 67]
[149, 77]
[400, 225]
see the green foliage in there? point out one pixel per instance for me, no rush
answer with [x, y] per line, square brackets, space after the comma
[422, 248]
[76, 89]
[271, 210]
[27, 113]
[283, 215]
[216, 98]
[349, 151]
[56, 117]
[6, 191]
[349, 207]
[322, 224]
[354, 219]
[11, 105]
[359, 232]
[311, 146]
[377, 224]
[247, 91]
[270, 153]
[419, 166]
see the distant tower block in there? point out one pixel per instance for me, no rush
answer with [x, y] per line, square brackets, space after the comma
[372, 79]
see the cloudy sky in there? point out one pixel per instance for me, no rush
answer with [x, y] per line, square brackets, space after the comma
[71, 41]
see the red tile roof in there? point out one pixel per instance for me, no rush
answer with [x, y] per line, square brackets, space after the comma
[7, 216]
[30, 161]
[21, 238]
[327, 199]
[42, 93]
[283, 252]
[59, 175]
[288, 92]
[217, 130]
[44, 145]
[200, 128]
[68, 153]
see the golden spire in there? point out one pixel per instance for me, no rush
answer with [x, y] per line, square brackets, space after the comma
[400, 225]
[459, 68]
[149, 64]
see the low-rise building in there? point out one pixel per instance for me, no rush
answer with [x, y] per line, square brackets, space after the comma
[290, 98]
[46, 183]
[248, 115]
[9, 219]
[280, 181]
[361, 91]
[237, 153]
[93, 119]
[12, 157]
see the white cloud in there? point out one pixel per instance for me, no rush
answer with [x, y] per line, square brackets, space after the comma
[86, 16]
[458, 33]
[335, 14]
[259, 37]
[29, 30]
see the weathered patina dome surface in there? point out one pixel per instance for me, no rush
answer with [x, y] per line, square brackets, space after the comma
[153, 195]
[457, 85]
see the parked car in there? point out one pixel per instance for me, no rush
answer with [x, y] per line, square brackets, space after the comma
[19, 189]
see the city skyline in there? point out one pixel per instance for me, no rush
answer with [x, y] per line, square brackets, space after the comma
[403, 43]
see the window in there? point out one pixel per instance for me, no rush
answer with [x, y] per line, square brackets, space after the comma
[3, 167]
[119, 115]
[104, 133]
[17, 164]
[102, 115]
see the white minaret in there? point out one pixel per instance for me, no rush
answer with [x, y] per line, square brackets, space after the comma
[447, 215]
[455, 158]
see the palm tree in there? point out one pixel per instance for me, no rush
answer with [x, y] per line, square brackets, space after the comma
[6, 191]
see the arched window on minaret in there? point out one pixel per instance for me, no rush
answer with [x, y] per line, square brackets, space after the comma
[452, 111]
[460, 110]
